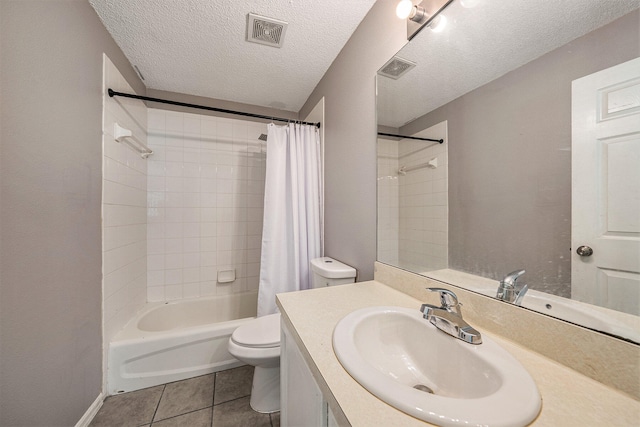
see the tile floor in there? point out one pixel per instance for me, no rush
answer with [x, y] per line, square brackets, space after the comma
[215, 400]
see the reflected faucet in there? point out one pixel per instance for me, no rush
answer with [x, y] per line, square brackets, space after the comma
[448, 317]
[508, 289]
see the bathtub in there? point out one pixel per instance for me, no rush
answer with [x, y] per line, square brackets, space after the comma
[173, 341]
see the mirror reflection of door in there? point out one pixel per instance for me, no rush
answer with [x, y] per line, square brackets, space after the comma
[606, 188]
[509, 156]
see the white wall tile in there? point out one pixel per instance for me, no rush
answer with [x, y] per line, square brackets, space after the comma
[173, 139]
[191, 260]
[155, 278]
[124, 201]
[156, 119]
[172, 262]
[422, 199]
[208, 288]
[174, 122]
[191, 275]
[208, 126]
[191, 229]
[191, 290]
[155, 293]
[203, 208]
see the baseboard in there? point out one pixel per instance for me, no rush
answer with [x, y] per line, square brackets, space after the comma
[91, 412]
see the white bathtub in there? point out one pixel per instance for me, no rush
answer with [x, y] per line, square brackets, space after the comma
[177, 340]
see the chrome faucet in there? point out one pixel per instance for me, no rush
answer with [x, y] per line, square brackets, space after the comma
[448, 317]
[509, 291]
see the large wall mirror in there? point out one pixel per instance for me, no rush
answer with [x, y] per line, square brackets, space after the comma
[537, 104]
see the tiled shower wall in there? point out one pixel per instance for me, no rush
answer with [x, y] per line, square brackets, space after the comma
[423, 202]
[413, 208]
[124, 191]
[388, 190]
[205, 196]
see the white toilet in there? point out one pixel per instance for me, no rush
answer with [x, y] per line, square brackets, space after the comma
[258, 342]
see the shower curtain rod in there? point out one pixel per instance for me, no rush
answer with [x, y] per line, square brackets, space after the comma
[440, 141]
[113, 93]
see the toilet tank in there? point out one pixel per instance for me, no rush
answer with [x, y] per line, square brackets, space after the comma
[329, 272]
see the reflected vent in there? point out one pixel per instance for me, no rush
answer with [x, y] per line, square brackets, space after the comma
[266, 31]
[396, 67]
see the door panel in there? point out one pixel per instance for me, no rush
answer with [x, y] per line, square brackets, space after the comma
[606, 187]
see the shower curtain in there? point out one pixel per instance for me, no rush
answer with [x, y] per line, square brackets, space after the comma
[291, 234]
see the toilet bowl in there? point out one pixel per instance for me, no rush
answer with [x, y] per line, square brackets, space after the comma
[257, 342]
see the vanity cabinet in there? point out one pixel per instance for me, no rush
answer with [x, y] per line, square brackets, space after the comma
[302, 403]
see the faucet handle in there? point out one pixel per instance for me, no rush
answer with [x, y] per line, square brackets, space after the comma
[510, 279]
[508, 290]
[448, 299]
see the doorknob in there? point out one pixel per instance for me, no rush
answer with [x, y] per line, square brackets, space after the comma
[584, 251]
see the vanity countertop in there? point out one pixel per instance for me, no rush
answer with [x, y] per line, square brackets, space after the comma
[568, 398]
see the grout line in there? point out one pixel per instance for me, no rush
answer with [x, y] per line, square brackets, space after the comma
[164, 387]
[185, 413]
[213, 398]
[232, 400]
[215, 385]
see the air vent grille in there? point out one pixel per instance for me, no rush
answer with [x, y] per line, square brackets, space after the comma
[396, 67]
[267, 31]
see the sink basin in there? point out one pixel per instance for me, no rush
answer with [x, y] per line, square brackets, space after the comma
[406, 362]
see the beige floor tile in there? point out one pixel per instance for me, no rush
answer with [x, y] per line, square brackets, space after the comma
[129, 409]
[238, 413]
[275, 419]
[201, 418]
[233, 384]
[185, 396]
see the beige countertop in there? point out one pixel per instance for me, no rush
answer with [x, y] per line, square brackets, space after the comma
[568, 398]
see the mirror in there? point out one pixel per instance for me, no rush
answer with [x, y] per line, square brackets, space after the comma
[509, 87]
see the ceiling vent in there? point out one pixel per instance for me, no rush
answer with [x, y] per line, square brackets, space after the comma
[396, 67]
[266, 31]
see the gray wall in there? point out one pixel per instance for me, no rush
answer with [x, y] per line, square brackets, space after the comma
[510, 161]
[215, 103]
[350, 137]
[51, 166]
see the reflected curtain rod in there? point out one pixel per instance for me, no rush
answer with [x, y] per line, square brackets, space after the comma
[113, 93]
[439, 141]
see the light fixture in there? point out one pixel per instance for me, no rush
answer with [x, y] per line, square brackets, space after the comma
[422, 14]
[438, 23]
[403, 10]
[406, 9]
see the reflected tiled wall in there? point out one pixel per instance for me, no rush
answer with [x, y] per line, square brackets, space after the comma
[124, 190]
[388, 222]
[423, 201]
[205, 204]
[413, 207]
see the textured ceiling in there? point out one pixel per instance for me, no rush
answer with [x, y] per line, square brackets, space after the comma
[199, 47]
[483, 43]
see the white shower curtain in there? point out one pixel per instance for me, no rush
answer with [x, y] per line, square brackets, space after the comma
[291, 234]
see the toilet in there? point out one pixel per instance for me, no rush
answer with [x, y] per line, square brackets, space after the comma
[257, 343]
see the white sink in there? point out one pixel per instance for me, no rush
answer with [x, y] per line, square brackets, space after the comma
[390, 350]
[598, 318]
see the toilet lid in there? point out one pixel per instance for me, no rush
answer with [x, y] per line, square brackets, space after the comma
[261, 332]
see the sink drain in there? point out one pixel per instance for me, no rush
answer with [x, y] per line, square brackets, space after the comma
[423, 387]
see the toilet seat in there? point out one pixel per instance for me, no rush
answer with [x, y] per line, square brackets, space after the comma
[263, 332]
